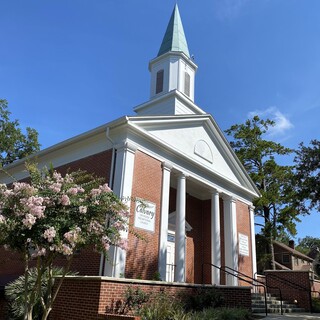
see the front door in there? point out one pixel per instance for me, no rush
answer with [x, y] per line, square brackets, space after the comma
[170, 258]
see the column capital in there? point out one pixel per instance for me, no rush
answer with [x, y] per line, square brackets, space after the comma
[229, 197]
[166, 165]
[127, 146]
[182, 175]
[251, 207]
[215, 191]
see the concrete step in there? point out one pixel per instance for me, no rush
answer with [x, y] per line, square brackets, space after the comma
[273, 305]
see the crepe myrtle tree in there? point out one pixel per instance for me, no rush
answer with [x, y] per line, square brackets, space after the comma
[55, 215]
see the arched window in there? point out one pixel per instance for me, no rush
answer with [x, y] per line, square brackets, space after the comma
[187, 83]
[159, 83]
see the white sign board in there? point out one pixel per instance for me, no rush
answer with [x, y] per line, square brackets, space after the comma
[145, 215]
[243, 245]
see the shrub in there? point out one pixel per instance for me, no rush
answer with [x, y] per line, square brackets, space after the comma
[202, 299]
[162, 307]
[315, 305]
[15, 292]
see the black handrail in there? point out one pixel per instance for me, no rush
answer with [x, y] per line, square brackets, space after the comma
[295, 286]
[253, 282]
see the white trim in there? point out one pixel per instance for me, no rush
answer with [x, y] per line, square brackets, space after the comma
[164, 219]
[215, 237]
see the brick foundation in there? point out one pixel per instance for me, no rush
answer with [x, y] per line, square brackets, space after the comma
[92, 297]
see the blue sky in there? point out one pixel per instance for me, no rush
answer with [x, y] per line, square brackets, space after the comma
[67, 66]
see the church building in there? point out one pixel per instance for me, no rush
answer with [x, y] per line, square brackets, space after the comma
[198, 212]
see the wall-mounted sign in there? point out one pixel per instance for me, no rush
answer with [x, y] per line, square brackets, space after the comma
[145, 215]
[243, 245]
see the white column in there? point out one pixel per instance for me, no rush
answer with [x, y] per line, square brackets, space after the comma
[253, 242]
[215, 237]
[122, 186]
[180, 238]
[164, 219]
[230, 238]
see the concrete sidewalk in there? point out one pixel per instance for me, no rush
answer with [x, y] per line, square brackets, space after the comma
[292, 316]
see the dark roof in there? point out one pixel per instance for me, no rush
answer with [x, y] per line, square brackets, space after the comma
[293, 251]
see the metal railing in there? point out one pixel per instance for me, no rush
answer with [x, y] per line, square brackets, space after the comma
[170, 270]
[245, 278]
[294, 286]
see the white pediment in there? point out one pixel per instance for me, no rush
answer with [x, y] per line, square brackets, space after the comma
[197, 142]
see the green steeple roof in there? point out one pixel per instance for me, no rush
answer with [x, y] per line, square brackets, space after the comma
[174, 38]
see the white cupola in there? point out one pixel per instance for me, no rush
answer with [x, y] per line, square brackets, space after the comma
[172, 75]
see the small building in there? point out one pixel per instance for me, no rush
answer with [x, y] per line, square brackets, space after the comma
[288, 258]
[172, 154]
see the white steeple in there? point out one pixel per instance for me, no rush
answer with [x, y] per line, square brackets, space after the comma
[172, 75]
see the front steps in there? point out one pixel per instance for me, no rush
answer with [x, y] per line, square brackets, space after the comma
[273, 304]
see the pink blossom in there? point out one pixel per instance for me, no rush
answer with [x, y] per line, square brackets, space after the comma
[22, 186]
[66, 250]
[2, 219]
[57, 176]
[83, 209]
[105, 188]
[124, 213]
[95, 192]
[95, 227]
[39, 252]
[73, 236]
[123, 244]
[72, 191]
[49, 234]
[105, 241]
[118, 225]
[8, 193]
[34, 206]
[55, 187]
[65, 201]
[29, 220]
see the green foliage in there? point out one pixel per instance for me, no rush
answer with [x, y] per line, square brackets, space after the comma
[310, 246]
[156, 276]
[55, 215]
[203, 298]
[274, 181]
[161, 307]
[15, 293]
[14, 144]
[316, 305]
[307, 179]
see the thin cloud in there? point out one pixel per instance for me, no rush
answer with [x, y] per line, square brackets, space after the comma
[282, 122]
[228, 9]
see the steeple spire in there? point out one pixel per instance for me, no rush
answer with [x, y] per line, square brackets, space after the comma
[174, 38]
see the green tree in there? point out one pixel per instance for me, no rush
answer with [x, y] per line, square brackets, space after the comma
[307, 180]
[14, 144]
[258, 156]
[310, 246]
[53, 216]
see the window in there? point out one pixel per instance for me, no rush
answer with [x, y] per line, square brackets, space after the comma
[187, 83]
[285, 258]
[159, 83]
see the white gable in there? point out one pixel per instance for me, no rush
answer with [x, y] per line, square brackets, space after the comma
[196, 143]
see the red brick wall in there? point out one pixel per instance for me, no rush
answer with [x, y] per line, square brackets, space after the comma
[142, 255]
[194, 250]
[83, 298]
[291, 284]
[244, 227]
[99, 164]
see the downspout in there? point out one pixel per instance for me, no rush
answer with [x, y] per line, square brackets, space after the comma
[111, 179]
